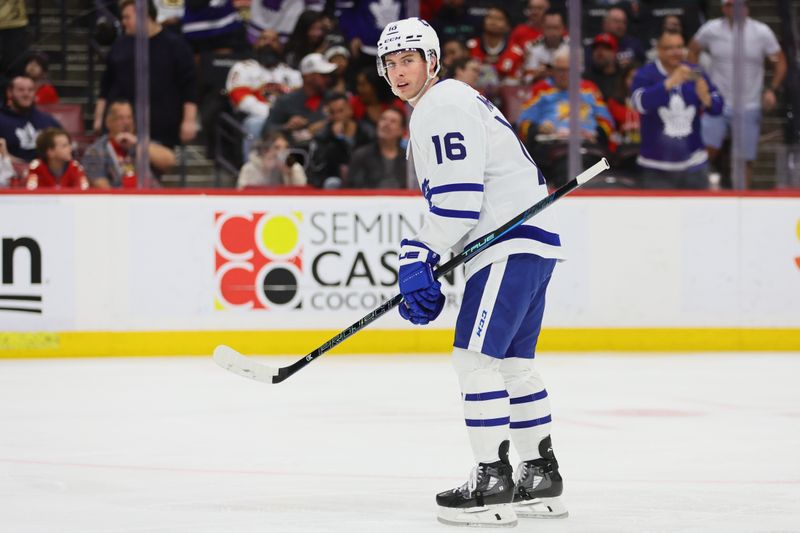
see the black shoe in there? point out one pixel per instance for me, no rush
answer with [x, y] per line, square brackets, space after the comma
[539, 485]
[484, 498]
[539, 478]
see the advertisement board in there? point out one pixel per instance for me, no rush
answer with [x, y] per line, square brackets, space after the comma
[163, 274]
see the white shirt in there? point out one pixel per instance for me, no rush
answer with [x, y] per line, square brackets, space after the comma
[717, 36]
[538, 55]
[169, 9]
[248, 82]
[476, 176]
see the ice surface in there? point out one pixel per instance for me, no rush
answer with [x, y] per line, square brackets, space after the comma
[361, 444]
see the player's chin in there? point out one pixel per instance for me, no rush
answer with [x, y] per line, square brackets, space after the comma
[402, 91]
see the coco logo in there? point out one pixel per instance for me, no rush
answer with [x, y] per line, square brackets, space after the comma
[13, 252]
[258, 260]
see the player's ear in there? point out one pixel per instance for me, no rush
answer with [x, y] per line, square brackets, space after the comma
[433, 64]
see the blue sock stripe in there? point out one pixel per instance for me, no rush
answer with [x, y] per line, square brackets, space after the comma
[530, 423]
[486, 422]
[530, 397]
[484, 396]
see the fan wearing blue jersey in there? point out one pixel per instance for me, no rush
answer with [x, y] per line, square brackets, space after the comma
[476, 175]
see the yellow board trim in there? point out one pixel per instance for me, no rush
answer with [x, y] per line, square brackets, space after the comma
[147, 343]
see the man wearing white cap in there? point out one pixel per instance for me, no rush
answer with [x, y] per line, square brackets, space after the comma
[717, 38]
[300, 113]
[476, 175]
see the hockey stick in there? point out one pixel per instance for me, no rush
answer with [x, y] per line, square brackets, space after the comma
[231, 360]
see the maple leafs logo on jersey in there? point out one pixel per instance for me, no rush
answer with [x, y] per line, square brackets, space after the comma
[426, 191]
[677, 117]
[385, 12]
[26, 136]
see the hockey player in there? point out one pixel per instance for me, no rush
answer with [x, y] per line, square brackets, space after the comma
[475, 176]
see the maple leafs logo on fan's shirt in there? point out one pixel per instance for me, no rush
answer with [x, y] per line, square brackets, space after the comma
[677, 117]
[385, 12]
[26, 136]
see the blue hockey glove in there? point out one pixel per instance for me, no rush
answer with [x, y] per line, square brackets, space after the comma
[423, 300]
[421, 311]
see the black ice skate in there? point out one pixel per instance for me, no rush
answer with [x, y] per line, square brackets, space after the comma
[539, 485]
[484, 500]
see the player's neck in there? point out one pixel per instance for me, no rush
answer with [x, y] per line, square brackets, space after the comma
[425, 88]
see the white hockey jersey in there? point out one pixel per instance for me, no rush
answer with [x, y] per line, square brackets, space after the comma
[476, 175]
[251, 87]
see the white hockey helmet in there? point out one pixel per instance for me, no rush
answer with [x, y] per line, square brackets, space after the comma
[408, 34]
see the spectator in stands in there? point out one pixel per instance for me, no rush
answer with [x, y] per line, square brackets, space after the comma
[532, 28]
[279, 16]
[523, 35]
[307, 38]
[382, 163]
[627, 119]
[343, 76]
[170, 14]
[36, 69]
[717, 38]
[299, 114]
[55, 167]
[373, 96]
[335, 143]
[630, 48]
[254, 84]
[603, 69]
[491, 47]
[111, 160]
[361, 24]
[8, 175]
[539, 54]
[213, 26]
[452, 50]
[467, 70]
[544, 123]
[271, 165]
[454, 22]
[671, 95]
[13, 36]
[20, 121]
[671, 23]
[173, 79]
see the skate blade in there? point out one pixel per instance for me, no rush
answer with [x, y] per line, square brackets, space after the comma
[489, 516]
[541, 508]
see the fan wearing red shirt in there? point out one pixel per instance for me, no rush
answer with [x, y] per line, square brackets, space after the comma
[527, 32]
[492, 47]
[55, 167]
[36, 68]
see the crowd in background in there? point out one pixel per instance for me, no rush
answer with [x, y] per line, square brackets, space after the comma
[298, 78]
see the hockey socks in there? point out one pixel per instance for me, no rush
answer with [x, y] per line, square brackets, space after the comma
[486, 406]
[530, 406]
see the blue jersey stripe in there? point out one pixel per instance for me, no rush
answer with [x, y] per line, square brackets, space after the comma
[484, 396]
[530, 423]
[455, 213]
[486, 422]
[530, 397]
[456, 187]
[527, 232]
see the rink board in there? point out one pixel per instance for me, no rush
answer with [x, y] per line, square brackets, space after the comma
[123, 274]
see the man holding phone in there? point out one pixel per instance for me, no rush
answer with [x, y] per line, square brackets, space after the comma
[671, 95]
